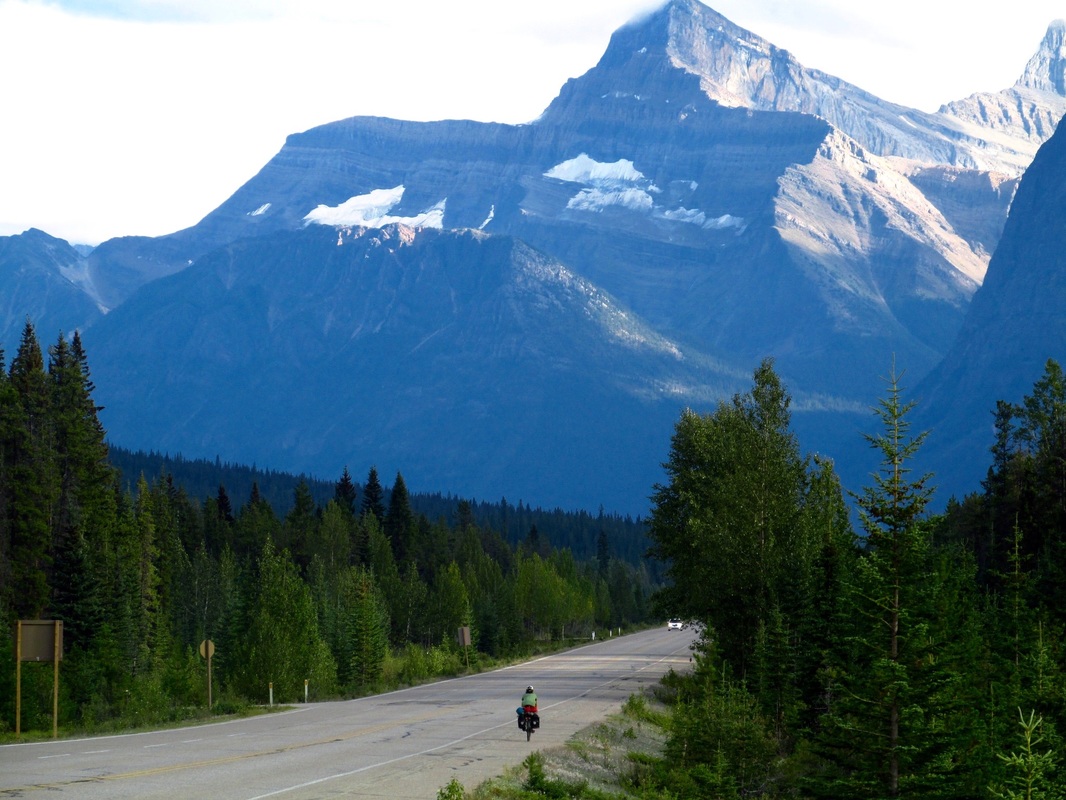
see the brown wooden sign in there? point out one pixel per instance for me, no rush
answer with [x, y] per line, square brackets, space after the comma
[40, 639]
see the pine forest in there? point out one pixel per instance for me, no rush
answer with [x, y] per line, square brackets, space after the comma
[354, 592]
[852, 645]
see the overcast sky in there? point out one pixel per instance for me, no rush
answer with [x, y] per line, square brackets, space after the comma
[125, 117]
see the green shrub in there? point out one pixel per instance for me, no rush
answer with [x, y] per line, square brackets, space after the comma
[453, 791]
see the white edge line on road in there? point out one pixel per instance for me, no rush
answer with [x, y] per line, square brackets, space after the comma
[317, 781]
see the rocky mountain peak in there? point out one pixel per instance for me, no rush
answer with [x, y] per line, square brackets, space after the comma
[736, 67]
[1046, 70]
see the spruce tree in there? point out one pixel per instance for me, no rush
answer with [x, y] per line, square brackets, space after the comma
[368, 631]
[300, 526]
[1043, 431]
[9, 415]
[374, 497]
[85, 504]
[345, 493]
[884, 734]
[256, 523]
[399, 521]
[32, 479]
[603, 553]
[824, 624]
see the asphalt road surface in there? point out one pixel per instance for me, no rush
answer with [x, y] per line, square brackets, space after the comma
[405, 744]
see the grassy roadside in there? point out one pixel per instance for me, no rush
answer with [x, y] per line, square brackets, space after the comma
[609, 760]
[403, 668]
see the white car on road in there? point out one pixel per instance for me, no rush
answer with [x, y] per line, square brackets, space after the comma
[675, 625]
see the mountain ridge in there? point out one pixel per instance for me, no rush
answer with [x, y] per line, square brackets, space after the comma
[1001, 353]
[398, 361]
[712, 231]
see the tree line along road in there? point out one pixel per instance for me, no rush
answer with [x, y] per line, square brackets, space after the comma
[404, 744]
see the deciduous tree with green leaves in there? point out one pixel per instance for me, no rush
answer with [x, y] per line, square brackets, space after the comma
[729, 519]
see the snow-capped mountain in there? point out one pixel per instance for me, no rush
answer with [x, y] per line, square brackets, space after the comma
[699, 183]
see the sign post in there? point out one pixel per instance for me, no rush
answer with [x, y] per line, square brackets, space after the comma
[464, 642]
[38, 640]
[207, 649]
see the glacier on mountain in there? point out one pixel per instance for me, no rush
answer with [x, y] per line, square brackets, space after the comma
[596, 199]
[584, 169]
[621, 184]
[371, 210]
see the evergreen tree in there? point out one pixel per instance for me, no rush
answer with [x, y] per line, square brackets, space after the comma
[450, 604]
[826, 622]
[621, 583]
[890, 511]
[359, 545]
[300, 526]
[256, 523]
[31, 473]
[399, 522]
[330, 540]
[85, 503]
[408, 605]
[1030, 769]
[225, 507]
[142, 563]
[368, 631]
[1042, 430]
[603, 553]
[464, 516]
[219, 522]
[344, 492]
[885, 735]
[9, 424]
[374, 497]
[282, 643]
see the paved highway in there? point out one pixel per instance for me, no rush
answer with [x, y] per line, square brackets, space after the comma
[404, 744]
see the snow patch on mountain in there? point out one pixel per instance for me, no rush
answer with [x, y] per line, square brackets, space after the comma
[260, 211]
[595, 199]
[371, 210]
[695, 217]
[620, 184]
[587, 170]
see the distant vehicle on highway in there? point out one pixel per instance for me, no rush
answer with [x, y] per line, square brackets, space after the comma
[675, 625]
